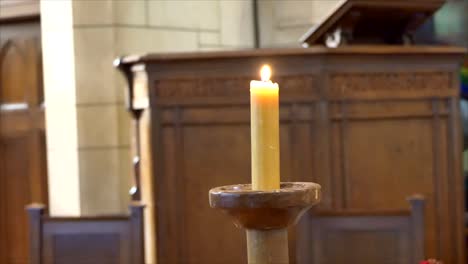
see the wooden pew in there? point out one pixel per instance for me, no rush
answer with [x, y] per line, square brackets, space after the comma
[86, 240]
[352, 236]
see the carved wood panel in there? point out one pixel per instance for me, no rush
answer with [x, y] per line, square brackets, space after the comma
[375, 85]
[371, 128]
[22, 136]
[227, 90]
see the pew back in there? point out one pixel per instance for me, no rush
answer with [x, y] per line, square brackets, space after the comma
[395, 237]
[86, 240]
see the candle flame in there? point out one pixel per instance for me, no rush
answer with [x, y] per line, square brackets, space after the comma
[265, 73]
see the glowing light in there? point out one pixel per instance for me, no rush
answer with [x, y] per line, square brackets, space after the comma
[265, 73]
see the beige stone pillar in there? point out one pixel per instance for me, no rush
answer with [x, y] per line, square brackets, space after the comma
[60, 97]
[86, 125]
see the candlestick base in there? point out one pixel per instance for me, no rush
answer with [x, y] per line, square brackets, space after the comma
[266, 215]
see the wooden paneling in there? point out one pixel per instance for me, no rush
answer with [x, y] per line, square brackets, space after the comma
[372, 125]
[22, 136]
[15, 166]
[198, 143]
[388, 183]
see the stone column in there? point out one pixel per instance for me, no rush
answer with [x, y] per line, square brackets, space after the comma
[60, 97]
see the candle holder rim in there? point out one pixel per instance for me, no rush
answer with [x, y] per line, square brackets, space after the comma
[265, 210]
[247, 188]
[290, 194]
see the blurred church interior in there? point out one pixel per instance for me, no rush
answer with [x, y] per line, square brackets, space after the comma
[118, 116]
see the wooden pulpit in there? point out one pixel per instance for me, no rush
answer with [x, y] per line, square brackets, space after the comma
[374, 120]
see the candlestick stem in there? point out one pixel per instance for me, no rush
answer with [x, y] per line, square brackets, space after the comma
[267, 246]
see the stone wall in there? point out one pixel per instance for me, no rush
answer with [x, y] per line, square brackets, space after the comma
[87, 126]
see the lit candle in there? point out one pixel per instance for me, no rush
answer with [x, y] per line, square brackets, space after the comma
[264, 123]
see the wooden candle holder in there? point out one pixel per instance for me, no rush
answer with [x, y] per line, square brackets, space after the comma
[266, 215]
